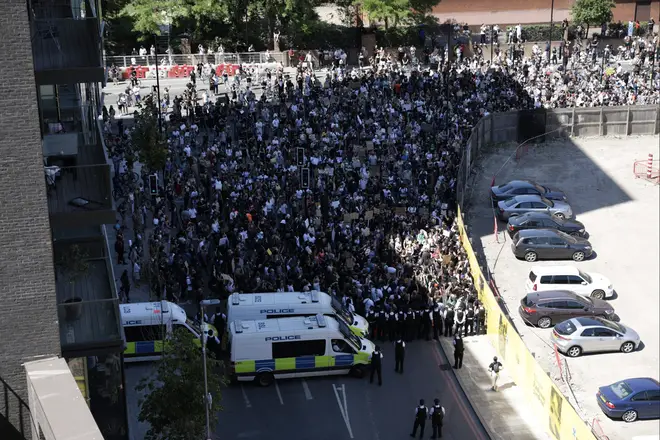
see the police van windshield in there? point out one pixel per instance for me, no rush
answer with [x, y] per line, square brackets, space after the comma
[350, 336]
[194, 325]
[342, 311]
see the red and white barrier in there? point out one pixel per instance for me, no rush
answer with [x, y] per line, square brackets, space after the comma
[649, 167]
[174, 71]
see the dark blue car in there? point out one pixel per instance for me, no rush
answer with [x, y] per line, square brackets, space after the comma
[631, 399]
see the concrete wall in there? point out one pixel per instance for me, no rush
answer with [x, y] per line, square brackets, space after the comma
[28, 317]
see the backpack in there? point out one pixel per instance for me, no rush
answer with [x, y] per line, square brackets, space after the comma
[495, 366]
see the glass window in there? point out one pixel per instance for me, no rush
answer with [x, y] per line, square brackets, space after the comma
[604, 332]
[574, 279]
[524, 205]
[533, 223]
[574, 305]
[621, 389]
[532, 277]
[541, 240]
[340, 346]
[639, 397]
[565, 328]
[298, 348]
[510, 202]
[589, 332]
[585, 276]
[556, 241]
[538, 205]
[546, 279]
[144, 333]
[559, 279]
[653, 395]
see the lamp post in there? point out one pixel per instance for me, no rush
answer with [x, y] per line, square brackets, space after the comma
[160, 116]
[207, 398]
[552, 23]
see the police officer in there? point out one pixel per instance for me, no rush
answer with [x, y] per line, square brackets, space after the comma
[377, 365]
[449, 321]
[399, 355]
[480, 320]
[421, 412]
[392, 324]
[410, 325]
[400, 324]
[213, 344]
[371, 319]
[437, 417]
[469, 320]
[381, 323]
[437, 321]
[459, 349]
[418, 323]
[425, 328]
[459, 325]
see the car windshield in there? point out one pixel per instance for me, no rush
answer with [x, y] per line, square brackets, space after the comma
[193, 325]
[532, 276]
[511, 202]
[585, 277]
[342, 311]
[566, 237]
[621, 389]
[565, 328]
[612, 325]
[350, 336]
[527, 302]
[550, 203]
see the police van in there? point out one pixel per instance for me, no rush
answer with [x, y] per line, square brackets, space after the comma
[249, 306]
[266, 349]
[146, 326]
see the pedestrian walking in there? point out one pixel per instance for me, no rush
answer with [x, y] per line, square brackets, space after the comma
[376, 365]
[120, 248]
[459, 349]
[494, 369]
[399, 355]
[421, 412]
[125, 288]
[437, 416]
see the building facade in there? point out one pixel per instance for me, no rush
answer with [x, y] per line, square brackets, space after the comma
[56, 280]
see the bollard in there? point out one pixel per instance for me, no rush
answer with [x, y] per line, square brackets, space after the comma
[649, 167]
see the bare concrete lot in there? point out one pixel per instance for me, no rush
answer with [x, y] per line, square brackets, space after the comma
[621, 214]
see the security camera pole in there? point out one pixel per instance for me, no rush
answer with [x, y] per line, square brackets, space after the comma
[207, 397]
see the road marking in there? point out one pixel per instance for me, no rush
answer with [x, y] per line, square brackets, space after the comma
[245, 397]
[343, 407]
[308, 393]
[279, 394]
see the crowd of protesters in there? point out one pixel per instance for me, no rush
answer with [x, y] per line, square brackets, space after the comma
[343, 184]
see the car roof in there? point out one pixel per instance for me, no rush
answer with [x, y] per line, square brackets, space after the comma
[534, 214]
[589, 321]
[555, 270]
[551, 294]
[642, 383]
[538, 232]
[521, 183]
[528, 198]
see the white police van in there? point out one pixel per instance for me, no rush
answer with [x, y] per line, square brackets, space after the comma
[266, 349]
[249, 306]
[147, 325]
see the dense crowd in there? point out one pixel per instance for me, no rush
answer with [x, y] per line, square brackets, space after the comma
[344, 184]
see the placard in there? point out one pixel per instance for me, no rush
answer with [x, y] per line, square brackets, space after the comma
[369, 215]
[348, 218]
[400, 210]
[355, 215]
[370, 145]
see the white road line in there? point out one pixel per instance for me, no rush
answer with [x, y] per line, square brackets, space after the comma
[245, 397]
[342, 407]
[279, 394]
[308, 393]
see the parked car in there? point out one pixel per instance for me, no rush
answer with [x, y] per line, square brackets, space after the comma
[630, 399]
[534, 244]
[571, 278]
[539, 220]
[525, 187]
[546, 308]
[519, 205]
[593, 334]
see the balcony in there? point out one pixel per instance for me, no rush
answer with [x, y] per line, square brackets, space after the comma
[88, 308]
[67, 50]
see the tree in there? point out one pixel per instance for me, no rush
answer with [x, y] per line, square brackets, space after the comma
[396, 11]
[174, 406]
[149, 143]
[149, 15]
[592, 12]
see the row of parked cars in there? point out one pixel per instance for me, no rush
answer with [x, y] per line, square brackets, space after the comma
[571, 301]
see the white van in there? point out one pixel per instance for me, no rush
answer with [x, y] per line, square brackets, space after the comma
[249, 306]
[146, 326]
[570, 278]
[266, 349]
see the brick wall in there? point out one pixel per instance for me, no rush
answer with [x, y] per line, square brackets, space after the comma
[28, 316]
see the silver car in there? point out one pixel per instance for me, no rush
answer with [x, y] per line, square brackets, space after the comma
[531, 203]
[592, 335]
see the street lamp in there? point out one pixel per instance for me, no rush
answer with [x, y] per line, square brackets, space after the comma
[207, 398]
[552, 23]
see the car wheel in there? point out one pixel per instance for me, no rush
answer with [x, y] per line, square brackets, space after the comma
[629, 416]
[578, 256]
[544, 322]
[265, 379]
[627, 347]
[575, 234]
[530, 256]
[574, 351]
[560, 215]
[598, 294]
[358, 371]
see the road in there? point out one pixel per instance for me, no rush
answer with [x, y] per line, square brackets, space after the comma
[339, 407]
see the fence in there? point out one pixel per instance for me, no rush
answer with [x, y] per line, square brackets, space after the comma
[194, 59]
[564, 422]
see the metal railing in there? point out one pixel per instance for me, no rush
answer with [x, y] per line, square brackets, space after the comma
[194, 59]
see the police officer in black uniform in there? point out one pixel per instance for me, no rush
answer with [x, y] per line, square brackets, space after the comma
[400, 324]
[392, 324]
[421, 412]
[399, 355]
[410, 325]
[449, 322]
[469, 320]
[437, 321]
[377, 365]
[427, 322]
[459, 349]
[418, 323]
[381, 323]
[437, 417]
[371, 319]
[480, 319]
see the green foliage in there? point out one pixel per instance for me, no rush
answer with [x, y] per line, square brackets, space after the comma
[389, 11]
[592, 12]
[542, 32]
[174, 405]
[73, 263]
[149, 143]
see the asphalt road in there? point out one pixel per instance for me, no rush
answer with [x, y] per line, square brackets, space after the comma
[338, 407]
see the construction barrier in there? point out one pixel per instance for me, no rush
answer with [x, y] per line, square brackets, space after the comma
[563, 422]
[174, 71]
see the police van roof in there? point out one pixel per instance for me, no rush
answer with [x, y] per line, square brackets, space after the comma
[160, 310]
[306, 323]
[271, 298]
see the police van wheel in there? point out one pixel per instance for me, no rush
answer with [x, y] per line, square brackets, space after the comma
[265, 379]
[357, 371]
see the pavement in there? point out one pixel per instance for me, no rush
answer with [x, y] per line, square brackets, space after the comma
[621, 216]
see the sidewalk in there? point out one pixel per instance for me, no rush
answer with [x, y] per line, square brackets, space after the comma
[506, 414]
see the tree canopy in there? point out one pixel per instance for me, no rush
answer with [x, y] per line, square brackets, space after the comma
[174, 406]
[592, 12]
[395, 11]
[149, 143]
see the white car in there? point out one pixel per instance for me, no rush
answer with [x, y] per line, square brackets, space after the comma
[570, 278]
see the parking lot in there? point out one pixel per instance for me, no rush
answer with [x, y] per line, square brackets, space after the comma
[338, 407]
[621, 215]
